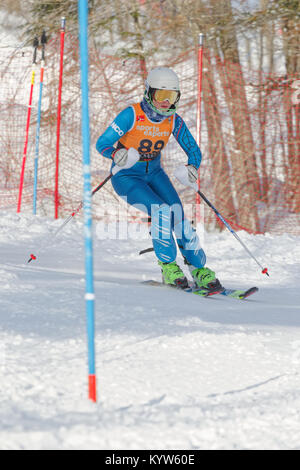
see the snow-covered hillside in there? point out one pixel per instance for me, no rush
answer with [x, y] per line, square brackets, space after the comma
[175, 371]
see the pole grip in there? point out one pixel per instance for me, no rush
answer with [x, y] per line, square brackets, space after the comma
[201, 39]
[35, 48]
[43, 42]
[44, 38]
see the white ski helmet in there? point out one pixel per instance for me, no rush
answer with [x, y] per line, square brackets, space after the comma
[163, 78]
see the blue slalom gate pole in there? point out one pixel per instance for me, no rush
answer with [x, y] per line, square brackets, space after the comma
[38, 125]
[89, 296]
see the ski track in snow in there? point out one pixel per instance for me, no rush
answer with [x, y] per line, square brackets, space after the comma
[175, 371]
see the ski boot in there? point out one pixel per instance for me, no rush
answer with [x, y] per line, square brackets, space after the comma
[205, 280]
[173, 275]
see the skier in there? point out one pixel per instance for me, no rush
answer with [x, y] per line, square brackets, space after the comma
[147, 127]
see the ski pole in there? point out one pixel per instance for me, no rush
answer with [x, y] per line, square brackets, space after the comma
[181, 174]
[38, 126]
[70, 217]
[133, 158]
[264, 270]
[35, 46]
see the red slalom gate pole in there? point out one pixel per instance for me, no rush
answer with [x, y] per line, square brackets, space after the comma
[62, 45]
[35, 47]
[199, 101]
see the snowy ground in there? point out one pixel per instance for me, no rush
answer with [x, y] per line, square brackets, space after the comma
[174, 371]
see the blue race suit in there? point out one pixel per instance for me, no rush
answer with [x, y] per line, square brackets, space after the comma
[146, 186]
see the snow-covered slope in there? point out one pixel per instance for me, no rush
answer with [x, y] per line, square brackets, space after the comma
[174, 371]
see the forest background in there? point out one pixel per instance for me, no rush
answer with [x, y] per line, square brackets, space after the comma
[250, 134]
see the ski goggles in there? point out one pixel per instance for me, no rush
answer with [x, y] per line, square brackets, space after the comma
[166, 95]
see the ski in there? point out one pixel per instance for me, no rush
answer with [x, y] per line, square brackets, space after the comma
[233, 293]
[239, 294]
[191, 289]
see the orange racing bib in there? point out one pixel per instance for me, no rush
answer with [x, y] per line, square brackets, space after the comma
[147, 137]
